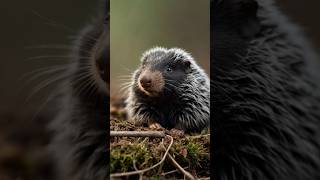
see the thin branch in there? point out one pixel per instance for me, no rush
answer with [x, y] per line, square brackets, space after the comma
[198, 136]
[205, 178]
[173, 171]
[135, 168]
[160, 168]
[186, 173]
[137, 134]
[147, 169]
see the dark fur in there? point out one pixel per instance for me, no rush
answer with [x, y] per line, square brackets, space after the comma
[184, 100]
[265, 94]
[80, 143]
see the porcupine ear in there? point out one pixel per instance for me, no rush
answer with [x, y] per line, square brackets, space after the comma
[106, 10]
[240, 15]
[187, 64]
[250, 25]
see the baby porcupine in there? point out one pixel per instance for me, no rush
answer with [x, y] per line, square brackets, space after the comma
[170, 89]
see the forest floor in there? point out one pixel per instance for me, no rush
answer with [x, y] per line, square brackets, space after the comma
[146, 156]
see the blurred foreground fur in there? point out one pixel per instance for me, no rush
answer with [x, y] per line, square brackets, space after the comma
[265, 93]
[80, 128]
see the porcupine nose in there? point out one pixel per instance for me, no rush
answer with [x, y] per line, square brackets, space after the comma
[145, 82]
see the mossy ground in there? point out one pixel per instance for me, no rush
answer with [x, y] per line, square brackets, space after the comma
[191, 151]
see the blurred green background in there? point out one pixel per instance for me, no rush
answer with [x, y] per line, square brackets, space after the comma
[137, 25]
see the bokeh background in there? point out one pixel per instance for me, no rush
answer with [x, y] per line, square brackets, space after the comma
[137, 25]
[36, 28]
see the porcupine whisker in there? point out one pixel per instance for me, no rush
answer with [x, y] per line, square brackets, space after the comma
[125, 80]
[51, 46]
[92, 88]
[127, 75]
[85, 79]
[123, 85]
[51, 57]
[45, 83]
[42, 71]
[125, 89]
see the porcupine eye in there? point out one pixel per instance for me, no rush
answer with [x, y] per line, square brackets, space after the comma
[169, 69]
[102, 69]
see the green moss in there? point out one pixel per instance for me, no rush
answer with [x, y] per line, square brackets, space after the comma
[196, 153]
[124, 156]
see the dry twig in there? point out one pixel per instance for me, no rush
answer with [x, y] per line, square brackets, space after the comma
[186, 173]
[137, 134]
[170, 172]
[198, 136]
